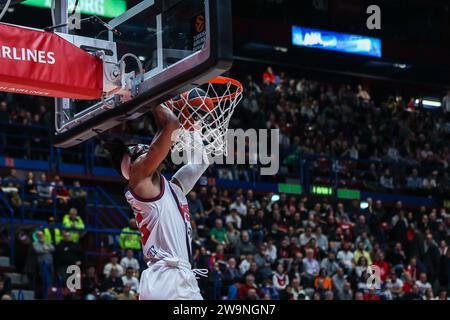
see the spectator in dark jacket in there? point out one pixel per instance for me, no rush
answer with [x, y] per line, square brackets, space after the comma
[431, 258]
[444, 274]
[67, 253]
[195, 205]
[399, 227]
[90, 284]
[398, 257]
[360, 227]
[232, 273]
[244, 246]
[112, 285]
[416, 242]
[5, 284]
[3, 289]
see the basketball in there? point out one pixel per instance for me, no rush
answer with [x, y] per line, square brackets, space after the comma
[189, 101]
[196, 98]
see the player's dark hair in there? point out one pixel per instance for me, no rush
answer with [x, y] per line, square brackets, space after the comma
[117, 149]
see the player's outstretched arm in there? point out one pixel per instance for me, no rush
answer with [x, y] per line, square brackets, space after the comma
[187, 176]
[167, 123]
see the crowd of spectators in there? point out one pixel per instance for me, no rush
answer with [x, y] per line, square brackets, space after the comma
[35, 114]
[301, 248]
[343, 135]
[45, 251]
[38, 196]
[257, 246]
[393, 143]
[50, 257]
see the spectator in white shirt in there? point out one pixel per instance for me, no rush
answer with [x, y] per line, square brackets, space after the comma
[234, 218]
[239, 206]
[271, 250]
[114, 263]
[129, 261]
[306, 236]
[345, 256]
[422, 283]
[426, 152]
[131, 280]
[386, 180]
[296, 290]
[244, 266]
[394, 285]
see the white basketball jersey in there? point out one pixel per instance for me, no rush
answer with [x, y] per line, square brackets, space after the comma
[164, 223]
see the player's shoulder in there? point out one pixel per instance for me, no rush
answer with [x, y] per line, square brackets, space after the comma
[174, 184]
[132, 196]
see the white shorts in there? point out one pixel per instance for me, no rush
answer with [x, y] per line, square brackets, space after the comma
[169, 279]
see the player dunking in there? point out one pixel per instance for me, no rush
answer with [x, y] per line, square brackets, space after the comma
[161, 210]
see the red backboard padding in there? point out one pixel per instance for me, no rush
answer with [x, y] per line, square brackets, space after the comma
[42, 63]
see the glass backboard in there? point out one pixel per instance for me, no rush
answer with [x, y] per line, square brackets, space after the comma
[170, 45]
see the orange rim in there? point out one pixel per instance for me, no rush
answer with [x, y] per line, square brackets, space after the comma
[225, 80]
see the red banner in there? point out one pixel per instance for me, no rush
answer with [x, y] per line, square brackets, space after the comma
[42, 63]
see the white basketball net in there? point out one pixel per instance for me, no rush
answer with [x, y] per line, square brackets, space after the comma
[212, 124]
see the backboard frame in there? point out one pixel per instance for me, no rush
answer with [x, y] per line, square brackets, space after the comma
[212, 60]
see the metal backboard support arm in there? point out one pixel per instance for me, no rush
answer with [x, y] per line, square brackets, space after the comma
[62, 105]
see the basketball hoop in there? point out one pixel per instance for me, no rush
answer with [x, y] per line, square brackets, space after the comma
[207, 110]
